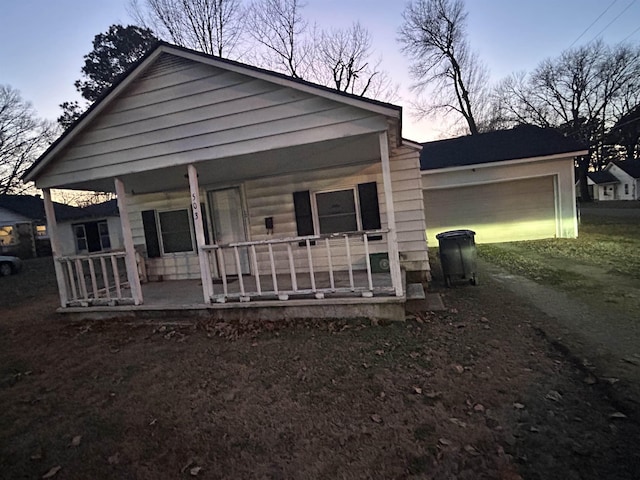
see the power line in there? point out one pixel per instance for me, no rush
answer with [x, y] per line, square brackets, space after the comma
[630, 35]
[593, 23]
[617, 17]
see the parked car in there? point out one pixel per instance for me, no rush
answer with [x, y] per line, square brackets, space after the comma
[9, 265]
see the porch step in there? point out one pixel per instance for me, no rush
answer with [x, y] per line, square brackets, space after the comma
[415, 291]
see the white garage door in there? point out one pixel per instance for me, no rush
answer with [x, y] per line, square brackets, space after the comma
[497, 212]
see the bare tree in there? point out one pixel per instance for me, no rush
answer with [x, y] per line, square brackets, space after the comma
[210, 26]
[23, 137]
[280, 29]
[583, 92]
[433, 36]
[343, 60]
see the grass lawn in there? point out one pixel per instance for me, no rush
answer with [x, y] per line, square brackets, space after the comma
[601, 266]
[469, 393]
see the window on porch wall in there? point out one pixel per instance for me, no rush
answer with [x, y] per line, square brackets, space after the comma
[337, 211]
[175, 231]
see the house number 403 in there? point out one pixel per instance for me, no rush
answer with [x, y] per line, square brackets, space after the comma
[195, 206]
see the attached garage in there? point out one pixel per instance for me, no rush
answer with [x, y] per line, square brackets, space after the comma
[506, 186]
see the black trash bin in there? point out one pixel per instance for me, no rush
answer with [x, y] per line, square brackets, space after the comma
[458, 256]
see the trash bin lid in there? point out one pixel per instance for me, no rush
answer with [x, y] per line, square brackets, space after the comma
[456, 234]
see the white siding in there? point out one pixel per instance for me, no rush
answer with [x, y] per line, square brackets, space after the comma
[409, 207]
[621, 193]
[172, 266]
[560, 169]
[273, 197]
[183, 112]
[67, 238]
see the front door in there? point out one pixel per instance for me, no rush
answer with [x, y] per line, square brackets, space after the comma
[228, 227]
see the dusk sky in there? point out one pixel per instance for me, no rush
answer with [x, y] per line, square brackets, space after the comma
[42, 42]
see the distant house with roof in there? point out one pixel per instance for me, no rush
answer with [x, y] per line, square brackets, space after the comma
[506, 185]
[23, 225]
[93, 229]
[619, 180]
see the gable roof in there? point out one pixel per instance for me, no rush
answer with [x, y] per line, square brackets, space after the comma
[32, 206]
[631, 167]
[526, 141]
[104, 209]
[136, 70]
[602, 178]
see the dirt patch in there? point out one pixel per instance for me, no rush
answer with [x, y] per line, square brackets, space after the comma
[472, 392]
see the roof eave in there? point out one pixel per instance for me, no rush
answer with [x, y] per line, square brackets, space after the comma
[94, 110]
[555, 156]
[386, 109]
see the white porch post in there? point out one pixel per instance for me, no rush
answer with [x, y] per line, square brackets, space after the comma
[52, 230]
[205, 268]
[130, 258]
[392, 236]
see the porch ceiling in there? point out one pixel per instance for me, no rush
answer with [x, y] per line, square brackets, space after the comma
[313, 156]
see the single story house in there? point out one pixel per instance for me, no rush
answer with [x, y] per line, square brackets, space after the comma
[240, 190]
[619, 180]
[92, 229]
[23, 230]
[506, 185]
[602, 185]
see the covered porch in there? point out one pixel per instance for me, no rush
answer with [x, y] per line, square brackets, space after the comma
[252, 187]
[346, 269]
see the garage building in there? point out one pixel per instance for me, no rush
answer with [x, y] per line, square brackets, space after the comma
[506, 185]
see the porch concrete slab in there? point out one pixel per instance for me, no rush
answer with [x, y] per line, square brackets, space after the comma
[415, 291]
[431, 303]
[376, 308]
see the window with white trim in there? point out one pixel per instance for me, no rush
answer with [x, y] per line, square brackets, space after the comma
[91, 236]
[80, 234]
[175, 231]
[336, 211]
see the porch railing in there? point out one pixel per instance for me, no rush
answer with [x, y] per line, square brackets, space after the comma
[96, 279]
[316, 265]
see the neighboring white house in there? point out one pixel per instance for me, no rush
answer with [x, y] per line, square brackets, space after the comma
[93, 229]
[505, 185]
[23, 230]
[619, 180]
[254, 185]
[602, 185]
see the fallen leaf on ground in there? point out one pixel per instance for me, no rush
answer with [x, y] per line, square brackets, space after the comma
[458, 422]
[458, 368]
[444, 441]
[75, 441]
[376, 418]
[52, 472]
[518, 406]
[417, 390]
[617, 415]
[478, 407]
[195, 471]
[553, 395]
[471, 450]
